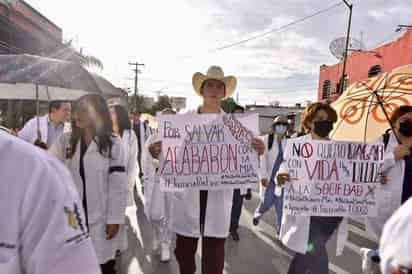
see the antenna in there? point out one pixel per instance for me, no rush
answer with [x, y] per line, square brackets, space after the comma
[337, 47]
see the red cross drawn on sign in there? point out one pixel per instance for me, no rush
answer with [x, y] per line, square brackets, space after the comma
[371, 191]
[307, 150]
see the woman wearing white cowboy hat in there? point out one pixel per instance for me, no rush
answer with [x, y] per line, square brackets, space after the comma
[204, 214]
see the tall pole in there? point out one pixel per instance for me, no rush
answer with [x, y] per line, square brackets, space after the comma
[136, 72]
[345, 57]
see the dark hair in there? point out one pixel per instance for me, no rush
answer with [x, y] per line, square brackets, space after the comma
[238, 107]
[310, 113]
[56, 105]
[123, 121]
[102, 129]
[399, 112]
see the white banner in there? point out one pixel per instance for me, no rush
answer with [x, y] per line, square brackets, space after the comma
[208, 151]
[332, 178]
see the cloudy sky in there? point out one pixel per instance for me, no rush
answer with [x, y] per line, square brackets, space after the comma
[176, 38]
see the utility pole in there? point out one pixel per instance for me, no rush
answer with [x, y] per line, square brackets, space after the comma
[136, 72]
[345, 57]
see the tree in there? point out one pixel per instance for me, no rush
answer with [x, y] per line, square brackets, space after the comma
[71, 54]
[162, 103]
[228, 105]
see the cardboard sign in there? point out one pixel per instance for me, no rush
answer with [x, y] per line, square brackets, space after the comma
[332, 178]
[208, 151]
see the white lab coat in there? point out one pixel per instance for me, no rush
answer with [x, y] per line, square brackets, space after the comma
[294, 231]
[40, 230]
[154, 199]
[29, 131]
[395, 247]
[185, 212]
[391, 192]
[106, 191]
[129, 141]
[267, 161]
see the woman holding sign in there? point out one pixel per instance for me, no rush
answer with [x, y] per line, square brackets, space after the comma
[204, 214]
[307, 235]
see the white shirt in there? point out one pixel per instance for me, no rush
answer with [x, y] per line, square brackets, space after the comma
[42, 226]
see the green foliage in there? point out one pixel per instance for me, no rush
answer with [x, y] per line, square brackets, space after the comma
[162, 103]
[228, 105]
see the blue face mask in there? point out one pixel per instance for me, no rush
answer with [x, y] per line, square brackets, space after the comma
[280, 129]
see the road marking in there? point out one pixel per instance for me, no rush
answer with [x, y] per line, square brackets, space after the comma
[337, 269]
[361, 233]
[262, 237]
[353, 247]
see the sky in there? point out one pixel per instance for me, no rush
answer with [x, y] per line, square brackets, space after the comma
[175, 39]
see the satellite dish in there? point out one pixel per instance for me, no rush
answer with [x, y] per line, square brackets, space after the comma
[337, 47]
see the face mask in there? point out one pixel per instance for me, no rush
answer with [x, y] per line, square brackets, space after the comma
[405, 128]
[323, 128]
[280, 129]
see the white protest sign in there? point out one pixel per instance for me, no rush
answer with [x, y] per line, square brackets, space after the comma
[332, 178]
[207, 151]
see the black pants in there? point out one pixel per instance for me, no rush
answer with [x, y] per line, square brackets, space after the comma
[108, 268]
[236, 210]
[315, 261]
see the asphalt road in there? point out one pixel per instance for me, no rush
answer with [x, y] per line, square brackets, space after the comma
[258, 251]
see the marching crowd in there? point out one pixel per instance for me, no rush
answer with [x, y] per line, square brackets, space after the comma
[64, 210]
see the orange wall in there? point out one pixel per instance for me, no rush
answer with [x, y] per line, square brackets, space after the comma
[392, 55]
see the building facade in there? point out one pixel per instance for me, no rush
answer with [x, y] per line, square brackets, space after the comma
[363, 65]
[24, 30]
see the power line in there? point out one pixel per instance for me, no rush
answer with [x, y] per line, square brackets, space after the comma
[279, 28]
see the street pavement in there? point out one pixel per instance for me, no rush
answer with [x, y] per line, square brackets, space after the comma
[258, 251]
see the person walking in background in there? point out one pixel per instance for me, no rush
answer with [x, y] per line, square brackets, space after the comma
[142, 132]
[157, 203]
[123, 128]
[43, 226]
[271, 195]
[97, 162]
[238, 196]
[51, 126]
[204, 214]
[307, 235]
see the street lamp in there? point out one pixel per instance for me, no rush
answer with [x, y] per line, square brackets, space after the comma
[345, 57]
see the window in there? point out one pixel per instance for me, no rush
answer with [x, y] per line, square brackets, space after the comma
[326, 89]
[345, 82]
[375, 70]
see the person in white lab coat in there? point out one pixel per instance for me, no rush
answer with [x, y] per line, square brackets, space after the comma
[50, 126]
[142, 131]
[204, 214]
[398, 172]
[395, 245]
[307, 235]
[42, 225]
[156, 203]
[123, 128]
[275, 143]
[97, 162]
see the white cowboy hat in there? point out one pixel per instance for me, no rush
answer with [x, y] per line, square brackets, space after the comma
[215, 73]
